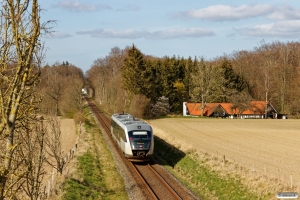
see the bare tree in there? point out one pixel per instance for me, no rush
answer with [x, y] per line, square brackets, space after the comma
[19, 71]
[71, 99]
[268, 63]
[241, 101]
[33, 153]
[105, 78]
[78, 84]
[285, 75]
[53, 84]
[99, 75]
[53, 145]
[205, 80]
[62, 88]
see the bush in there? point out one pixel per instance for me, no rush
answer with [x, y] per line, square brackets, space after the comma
[161, 108]
[138, 106]
[79, 118]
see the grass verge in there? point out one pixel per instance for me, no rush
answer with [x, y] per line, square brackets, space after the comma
[200, 177]
[96, 176]
[90, 185]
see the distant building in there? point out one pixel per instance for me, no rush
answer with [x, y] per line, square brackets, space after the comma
[84, 91]
[255, 110]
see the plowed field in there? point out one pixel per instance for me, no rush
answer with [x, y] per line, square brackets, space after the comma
[271, 146]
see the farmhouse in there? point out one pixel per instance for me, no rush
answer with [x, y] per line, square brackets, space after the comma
[253, 110]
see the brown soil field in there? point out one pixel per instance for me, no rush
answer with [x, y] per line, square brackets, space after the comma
[269, 146]
[68, 134]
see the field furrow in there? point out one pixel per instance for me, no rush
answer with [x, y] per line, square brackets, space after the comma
[270, 146]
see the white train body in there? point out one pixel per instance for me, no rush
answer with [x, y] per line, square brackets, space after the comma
[133, 136]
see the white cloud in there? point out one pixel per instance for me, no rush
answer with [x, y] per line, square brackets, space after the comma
[289, 28]
[181, 33]
[161, 34]
[54, 35]
[109, 33]
[285, 12]
[231, 13]
[78, 6]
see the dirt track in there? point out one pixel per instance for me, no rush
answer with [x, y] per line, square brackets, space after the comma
[69, 136]
[271, 145]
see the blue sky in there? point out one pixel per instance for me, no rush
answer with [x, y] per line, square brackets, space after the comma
[88, 29]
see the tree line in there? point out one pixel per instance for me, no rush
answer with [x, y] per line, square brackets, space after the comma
[61, 88]
[128, 80]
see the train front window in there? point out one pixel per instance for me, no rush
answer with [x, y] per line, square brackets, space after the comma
[139, 135]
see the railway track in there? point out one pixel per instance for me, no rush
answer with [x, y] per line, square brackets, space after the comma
[158, 184]
[155, 183]
[101, 117]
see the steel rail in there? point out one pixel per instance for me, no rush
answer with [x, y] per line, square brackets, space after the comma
[96, 112]
[164, 182]
[144, 181]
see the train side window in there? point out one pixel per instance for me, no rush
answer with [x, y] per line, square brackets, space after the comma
[118, 131]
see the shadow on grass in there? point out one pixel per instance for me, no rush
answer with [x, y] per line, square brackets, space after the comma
[167, 153]
[199, 177]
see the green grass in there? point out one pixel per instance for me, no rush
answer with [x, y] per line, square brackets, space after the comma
[91, 186]
[199, 177]
[96, 176]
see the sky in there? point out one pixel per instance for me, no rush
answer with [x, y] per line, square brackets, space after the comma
[85, 30]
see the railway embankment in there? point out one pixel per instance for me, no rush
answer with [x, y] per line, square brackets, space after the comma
[92, 173]
[200, 177]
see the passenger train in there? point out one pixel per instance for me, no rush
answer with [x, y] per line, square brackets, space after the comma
[133, 136]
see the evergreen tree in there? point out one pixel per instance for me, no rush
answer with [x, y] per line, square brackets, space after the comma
[134, 71]
[233, 83]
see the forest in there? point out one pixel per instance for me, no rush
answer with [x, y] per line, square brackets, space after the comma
[128, 80]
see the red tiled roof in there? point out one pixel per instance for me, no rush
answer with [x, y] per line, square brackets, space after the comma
[229, 108]
[257, 107]
[210, 108]
[196, 108]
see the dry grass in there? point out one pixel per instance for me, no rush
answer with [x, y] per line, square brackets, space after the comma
[264, 152]
[92, 173]
[69, 137]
